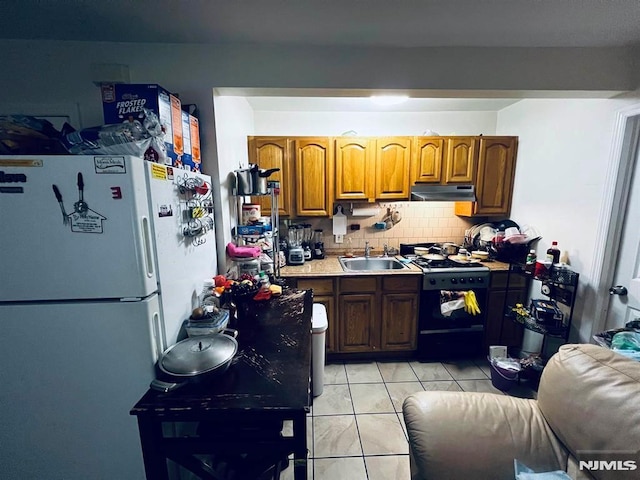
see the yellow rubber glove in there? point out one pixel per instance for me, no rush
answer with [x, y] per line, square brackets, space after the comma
[474, 303]
[467, 303]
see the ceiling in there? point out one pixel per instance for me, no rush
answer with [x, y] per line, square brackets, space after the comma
[397, 23]
[364, 104]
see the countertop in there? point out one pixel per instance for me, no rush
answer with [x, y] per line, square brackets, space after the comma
[330, 267]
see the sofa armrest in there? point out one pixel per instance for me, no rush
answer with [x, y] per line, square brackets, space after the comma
[468, 435]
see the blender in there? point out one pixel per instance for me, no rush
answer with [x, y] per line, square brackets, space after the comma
[306, 242]
[296, 252]
[318, 244]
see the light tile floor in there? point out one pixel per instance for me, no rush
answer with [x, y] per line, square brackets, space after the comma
[356, 430]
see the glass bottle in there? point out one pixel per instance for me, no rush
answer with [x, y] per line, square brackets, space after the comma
[349, 252]
[554, 251]
[530, 263]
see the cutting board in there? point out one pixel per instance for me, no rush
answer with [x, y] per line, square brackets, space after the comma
[339, 222]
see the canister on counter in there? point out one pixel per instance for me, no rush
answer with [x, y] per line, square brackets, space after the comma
[250, 266]
[250, 213]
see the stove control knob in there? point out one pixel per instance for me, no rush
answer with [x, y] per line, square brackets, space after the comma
[480, 280]
[462, 280]
[453, 280]
[432, 281]
[472, 280]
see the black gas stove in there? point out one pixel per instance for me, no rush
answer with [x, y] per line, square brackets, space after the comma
[459, 333]
[445, 265]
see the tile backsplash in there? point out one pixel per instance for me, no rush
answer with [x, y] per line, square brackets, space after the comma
[421, 222]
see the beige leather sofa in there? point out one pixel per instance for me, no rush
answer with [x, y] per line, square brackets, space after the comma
[588, 401]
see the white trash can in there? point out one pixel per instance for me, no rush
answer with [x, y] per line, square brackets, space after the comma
[319, 328]
[531, 342]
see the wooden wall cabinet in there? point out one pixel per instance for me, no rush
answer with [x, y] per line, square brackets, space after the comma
[372, 168]
[444, 160]
[392, 167]
[274, 152]
[316, 171]
[494, 180]
[501, 330]
[314, 176]
[355, 172]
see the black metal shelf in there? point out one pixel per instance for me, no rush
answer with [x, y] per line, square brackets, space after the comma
[560, 286]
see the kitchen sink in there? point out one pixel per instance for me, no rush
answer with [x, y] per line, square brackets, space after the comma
[371, 264]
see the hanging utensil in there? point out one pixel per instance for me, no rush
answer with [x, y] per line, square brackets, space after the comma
[81, 207]
[56, 192]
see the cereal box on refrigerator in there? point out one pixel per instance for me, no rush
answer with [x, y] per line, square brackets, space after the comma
[124, 102]
[187, 159]
[195, 142]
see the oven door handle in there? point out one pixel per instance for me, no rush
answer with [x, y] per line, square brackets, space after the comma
[472, 328]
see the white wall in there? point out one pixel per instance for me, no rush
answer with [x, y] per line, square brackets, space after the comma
[234, 122]
[374, 123]
[563, 155]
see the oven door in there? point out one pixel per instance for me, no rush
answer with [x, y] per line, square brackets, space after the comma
[457, 335]
[435, 313]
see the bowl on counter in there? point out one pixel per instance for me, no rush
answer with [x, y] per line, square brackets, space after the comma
[480, 254]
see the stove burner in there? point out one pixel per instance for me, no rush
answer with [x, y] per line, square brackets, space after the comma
[441, 264]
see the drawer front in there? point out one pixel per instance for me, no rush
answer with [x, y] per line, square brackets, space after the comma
[361, 284]
[401, 283]
[320, 286]
[499, 280]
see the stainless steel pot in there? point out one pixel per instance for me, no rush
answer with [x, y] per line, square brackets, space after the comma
[253, 180]
[196, 359]
[245, 180]
[260, 180]
[449, 249]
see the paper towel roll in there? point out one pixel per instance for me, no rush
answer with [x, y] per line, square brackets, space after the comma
[365, 212]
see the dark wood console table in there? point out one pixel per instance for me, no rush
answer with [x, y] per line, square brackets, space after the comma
[240, 412]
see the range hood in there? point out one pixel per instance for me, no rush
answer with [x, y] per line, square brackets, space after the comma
[443, 193]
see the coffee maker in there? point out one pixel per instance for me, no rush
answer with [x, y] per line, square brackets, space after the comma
[295, 256]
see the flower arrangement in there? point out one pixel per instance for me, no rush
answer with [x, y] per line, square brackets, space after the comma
[521, 313]
[523, 316]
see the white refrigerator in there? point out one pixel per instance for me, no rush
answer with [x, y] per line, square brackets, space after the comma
[101, 260]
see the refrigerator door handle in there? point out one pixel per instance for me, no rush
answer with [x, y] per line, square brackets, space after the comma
[146, 248]
[159, 339]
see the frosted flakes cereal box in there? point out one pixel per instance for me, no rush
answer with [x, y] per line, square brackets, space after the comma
[123, 102]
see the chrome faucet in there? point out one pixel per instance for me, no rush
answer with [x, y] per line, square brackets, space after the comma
[367, 250]
[385, 250]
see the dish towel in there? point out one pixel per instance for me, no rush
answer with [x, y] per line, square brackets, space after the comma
[451, 301]
[455, 300]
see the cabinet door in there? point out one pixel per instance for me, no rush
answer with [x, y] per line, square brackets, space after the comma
[399, 325]
[358, 332]
[273, 152]
[427, 159]
[355, 169]
[460, 163]
[496, 169]
[393, 157]
[314, 177]
[494, 180]
[499, 329]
